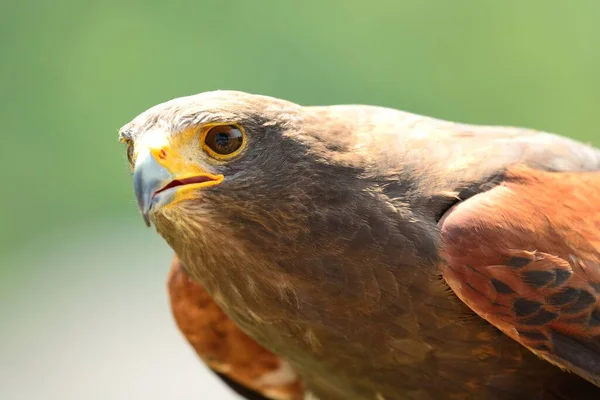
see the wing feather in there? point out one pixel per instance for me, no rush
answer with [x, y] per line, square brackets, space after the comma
[525, 256]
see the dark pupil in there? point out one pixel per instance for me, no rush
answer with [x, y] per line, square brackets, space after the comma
[222, 140]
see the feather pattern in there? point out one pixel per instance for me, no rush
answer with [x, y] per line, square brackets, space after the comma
[526, 257]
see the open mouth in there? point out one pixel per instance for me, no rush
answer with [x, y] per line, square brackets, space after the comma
[187, 181]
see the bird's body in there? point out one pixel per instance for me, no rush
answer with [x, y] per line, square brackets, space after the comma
[330, 243]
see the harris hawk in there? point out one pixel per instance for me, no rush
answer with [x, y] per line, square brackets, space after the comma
[375, 253]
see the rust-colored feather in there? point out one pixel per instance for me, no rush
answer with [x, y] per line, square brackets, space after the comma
[526, 257]
[223, 346]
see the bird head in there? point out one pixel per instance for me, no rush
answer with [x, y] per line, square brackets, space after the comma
[273, 200]
[183, 149]
[234, 164]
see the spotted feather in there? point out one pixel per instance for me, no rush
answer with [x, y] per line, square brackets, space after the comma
[525, 256]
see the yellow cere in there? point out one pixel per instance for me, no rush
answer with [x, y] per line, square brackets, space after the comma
[168, 150]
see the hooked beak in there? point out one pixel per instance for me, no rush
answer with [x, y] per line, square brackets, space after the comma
[159, 181]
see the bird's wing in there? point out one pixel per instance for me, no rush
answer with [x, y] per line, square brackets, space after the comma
[525, 256]
[249, 369]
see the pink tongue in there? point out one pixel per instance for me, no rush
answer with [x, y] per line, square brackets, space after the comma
[186, 181]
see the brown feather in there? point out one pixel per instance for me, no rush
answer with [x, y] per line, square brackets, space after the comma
[526, 257]
[223, 346]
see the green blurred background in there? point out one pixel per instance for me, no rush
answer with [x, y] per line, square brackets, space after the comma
[81, 280]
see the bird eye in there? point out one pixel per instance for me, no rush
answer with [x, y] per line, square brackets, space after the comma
[130, 152]
[223, 140]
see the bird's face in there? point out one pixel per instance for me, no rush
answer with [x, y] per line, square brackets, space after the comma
[255, 192]
[210, 161]
[172, 167]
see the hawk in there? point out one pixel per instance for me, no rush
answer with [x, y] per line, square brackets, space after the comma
[365, 253]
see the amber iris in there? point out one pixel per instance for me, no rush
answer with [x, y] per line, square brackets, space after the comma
[224, 140]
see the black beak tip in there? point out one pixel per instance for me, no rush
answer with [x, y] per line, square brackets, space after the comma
[147, 219]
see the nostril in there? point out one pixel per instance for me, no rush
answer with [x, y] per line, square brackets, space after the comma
[162, 154]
